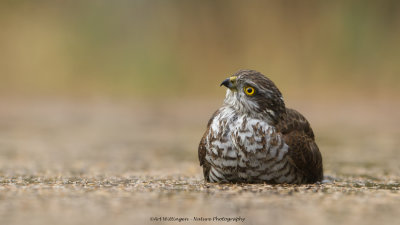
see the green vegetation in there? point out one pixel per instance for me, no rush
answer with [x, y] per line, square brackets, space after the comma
[148, 48]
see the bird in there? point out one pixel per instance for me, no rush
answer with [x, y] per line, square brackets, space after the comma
[254, 138]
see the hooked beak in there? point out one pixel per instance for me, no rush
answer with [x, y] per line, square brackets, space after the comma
[230, 82]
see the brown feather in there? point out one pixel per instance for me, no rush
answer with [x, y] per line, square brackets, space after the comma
[303, 150]
[202, 150]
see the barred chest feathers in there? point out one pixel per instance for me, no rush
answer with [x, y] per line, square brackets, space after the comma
[245, 149]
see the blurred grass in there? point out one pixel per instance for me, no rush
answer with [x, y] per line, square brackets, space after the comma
[175, 48]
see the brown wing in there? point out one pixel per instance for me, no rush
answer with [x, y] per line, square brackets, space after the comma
[202, 150]
[303, 150]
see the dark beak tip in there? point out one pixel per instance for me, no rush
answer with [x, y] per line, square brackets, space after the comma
[225, 82]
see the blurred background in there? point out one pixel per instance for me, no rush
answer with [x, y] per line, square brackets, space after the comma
[162, 62]
[117, 88]
[146, 48]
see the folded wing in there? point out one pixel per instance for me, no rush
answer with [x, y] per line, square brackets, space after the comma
[303, 151]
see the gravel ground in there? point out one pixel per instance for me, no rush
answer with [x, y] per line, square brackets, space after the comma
[108, 162]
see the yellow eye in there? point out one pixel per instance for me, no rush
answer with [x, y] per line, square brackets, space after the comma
[249, 91]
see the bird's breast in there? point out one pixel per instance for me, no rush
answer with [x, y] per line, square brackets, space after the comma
[244, 148]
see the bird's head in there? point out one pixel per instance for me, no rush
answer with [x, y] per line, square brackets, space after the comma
[249, 92]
